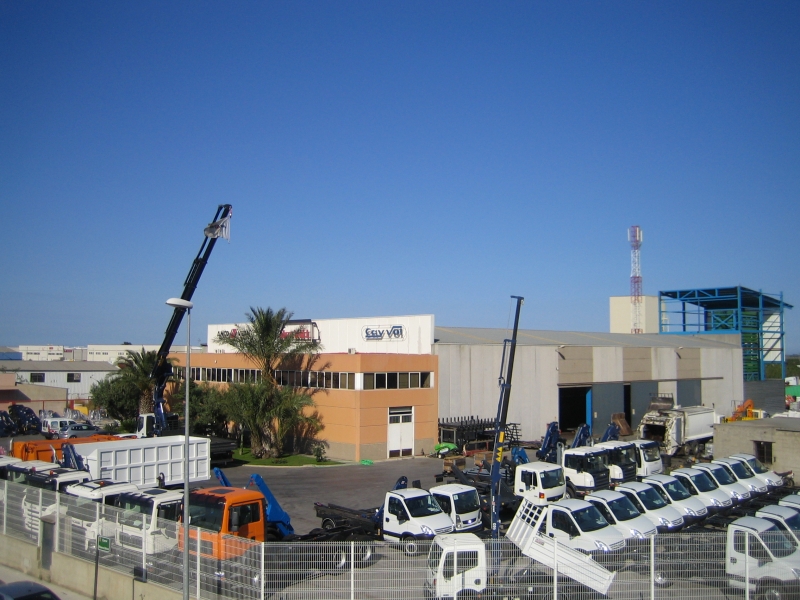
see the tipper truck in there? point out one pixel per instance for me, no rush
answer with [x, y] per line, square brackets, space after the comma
[679, 429]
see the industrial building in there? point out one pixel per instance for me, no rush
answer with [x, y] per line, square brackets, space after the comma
[775, 442]
[76, 377]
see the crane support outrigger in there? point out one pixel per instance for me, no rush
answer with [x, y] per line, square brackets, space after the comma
[502, 417]
[162, 370]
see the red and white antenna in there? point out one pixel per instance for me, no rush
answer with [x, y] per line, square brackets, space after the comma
[635, 238]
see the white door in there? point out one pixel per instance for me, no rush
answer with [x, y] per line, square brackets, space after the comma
[400, 437]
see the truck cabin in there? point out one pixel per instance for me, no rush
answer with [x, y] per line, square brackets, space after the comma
[546, 479]
[648, 452]
[18, 471]
[406, 505]
[138, 507]
[103, 491]
[766, 541]
[57, 479]
[654, 431]
[460, 502]
[784, 518]
[622, 455]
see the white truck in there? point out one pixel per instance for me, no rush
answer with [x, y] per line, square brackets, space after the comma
[578, 524]
[462, 504]
[56, 479]
[148, 514]
[622, 465]
[648, 458]
[586, 470]
[86, 504]
[787, 519]
[458, 565]
[539, 482]
[679, 429]
[148, 461]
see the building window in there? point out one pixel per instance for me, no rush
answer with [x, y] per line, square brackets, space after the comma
[763, 452]
[37, 377]
[73, 377]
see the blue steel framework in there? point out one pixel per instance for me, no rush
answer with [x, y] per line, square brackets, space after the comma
[755, 316]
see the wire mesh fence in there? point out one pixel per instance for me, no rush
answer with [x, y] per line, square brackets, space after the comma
[707, 564]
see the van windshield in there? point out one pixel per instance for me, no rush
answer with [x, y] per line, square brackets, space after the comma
[651, 499]
[740, 470]
[466, 502]
[757, 466]
[778, 544]
[623, 509]
[589, 519]
[551, 479]
[722, 476]
[421, 506]
[676, 491]
[703, 482]
[794, 522]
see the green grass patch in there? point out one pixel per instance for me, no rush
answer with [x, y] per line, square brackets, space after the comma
[291, 460]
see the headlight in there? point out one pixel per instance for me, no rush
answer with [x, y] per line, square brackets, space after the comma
[796, 573]
[690, 512]
[715, 502]
[601, 546]
[663, 522]
[426, 530]
[738, 496]
[637, 534]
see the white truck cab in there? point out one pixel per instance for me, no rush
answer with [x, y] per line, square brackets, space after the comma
[621, 460]
[56, 480]
[650, 503]
[151, 514]
[539, 482]
[620, 512]
[579, 525]
[761, 557]
[726, 482]
[87, 510]
[787, 519]
[413, 514]
[461, 503]
[769, 478]
[16, 470]
[456, 566]
[586, 470]
[648, 458]
[700, 485]
[743, 475]
[673, 491]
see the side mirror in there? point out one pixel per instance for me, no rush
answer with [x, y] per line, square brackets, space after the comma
[234, 520]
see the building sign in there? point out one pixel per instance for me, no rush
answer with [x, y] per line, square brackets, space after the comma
[226, 334]
[395, 333]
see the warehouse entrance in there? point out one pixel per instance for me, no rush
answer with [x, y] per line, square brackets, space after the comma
[400, 438]
[574, 407]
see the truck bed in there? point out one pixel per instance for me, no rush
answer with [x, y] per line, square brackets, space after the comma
[361, 518]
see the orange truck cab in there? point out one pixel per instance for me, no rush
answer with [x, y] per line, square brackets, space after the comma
[43, 449]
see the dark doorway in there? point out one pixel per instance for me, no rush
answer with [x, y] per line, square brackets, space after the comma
[626, 402]
[572, 407]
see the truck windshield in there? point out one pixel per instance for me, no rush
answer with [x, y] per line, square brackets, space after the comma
[623, 456]
[551, 479]
[739, 469]
[206, 512]
[703, 482]
[757, 465]
[651, 499]
[651, 452]
[778, 544]
[596, 463]
[589, 519]
[623, 509]
[137, 511]
[794, 522]
[421, 506]
[466, 502]
[434, 556]
[722, 476]
[676, 491]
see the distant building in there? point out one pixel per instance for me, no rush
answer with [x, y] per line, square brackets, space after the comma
[10, 353]
[111, 353]
[37, 397]
[76, 377]
[620, 314]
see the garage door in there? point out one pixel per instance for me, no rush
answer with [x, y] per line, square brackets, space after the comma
[401, 432]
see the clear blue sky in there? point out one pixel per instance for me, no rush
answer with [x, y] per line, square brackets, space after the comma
[389, 158]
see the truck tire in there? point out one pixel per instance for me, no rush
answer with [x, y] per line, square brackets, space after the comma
[328, 524]
[410, 545]
[662, 579]
[771, 590]
[570, 493]
[467, 594]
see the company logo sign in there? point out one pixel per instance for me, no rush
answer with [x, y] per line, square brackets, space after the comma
[227, 335]
[395, 333]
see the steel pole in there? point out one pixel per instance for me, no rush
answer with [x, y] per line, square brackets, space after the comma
[187, 379]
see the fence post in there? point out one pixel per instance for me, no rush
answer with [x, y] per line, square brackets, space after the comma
[58, 520]
[38, 518]
[555, 569]
[746, 565]
[263, 571]
[144, 544]
[197, 551]
[352, 570]
[653, 567]
[5, 505]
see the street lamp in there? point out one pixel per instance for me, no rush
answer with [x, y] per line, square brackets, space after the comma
[187, 306]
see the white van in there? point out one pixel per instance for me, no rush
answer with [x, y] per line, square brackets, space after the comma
[51, 427]
[743, 475]
[769, 478]
[692, 509]
[620, 512]
[702, 486]
[650, 503]
[726, 482]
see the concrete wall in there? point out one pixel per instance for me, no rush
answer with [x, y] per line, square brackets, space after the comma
[723, 378]
[78, 575]
[769, 395]
[783, 432]
[607, 398]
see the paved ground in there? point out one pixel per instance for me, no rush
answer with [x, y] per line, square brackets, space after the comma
[352, 485]
[9, 575]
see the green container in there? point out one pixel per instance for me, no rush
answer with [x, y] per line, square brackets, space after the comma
[366, 462]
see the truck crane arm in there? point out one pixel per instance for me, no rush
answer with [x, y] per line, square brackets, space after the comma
[583, 436]
[611, 434]
[162, 370]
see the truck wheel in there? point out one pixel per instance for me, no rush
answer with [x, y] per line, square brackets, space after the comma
[771, 590]
[410, 545]
[328, 524]
[570, 493]
[467, 594]
[662, 580]
[363, 554]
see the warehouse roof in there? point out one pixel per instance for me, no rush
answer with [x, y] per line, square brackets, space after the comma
[56, 365]
[535, 337]
[776, 423]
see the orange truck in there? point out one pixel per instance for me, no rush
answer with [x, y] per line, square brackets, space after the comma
[231, 519]
[43, 449]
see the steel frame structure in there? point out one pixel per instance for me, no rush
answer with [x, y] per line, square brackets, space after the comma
[755, 316]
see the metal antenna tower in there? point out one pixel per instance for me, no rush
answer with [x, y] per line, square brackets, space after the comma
[635, 238]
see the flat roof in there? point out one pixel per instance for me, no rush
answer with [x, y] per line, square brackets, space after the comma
[777, 423]
[537, 337]
[726, 298]
[57, 365]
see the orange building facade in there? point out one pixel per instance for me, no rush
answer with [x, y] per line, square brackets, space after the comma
[373, 406]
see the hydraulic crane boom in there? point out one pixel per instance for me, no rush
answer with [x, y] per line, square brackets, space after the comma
[502, 417]
[162, 370]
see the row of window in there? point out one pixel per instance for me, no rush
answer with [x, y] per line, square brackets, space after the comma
[396, 381]
[71, 377]
[317, 379]
[221, 375]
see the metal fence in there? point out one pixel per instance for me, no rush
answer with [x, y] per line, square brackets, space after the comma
[686, 565]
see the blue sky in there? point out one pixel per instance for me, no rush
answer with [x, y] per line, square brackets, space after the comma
[390, 158]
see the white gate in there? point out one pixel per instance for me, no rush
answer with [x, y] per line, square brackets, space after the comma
[400, 438]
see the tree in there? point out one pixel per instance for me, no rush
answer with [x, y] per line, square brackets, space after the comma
[135, 369]
[265, 342]
[118, 396]
[208, 412]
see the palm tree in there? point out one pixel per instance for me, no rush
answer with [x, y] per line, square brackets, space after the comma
[264, 341]
[135, 369]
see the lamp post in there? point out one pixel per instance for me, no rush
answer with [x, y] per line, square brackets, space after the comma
[187, 306]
